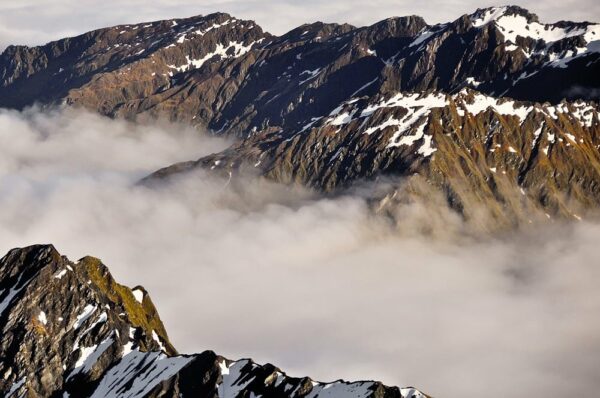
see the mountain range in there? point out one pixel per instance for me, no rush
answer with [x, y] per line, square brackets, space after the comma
[494, 114]
[495, 110]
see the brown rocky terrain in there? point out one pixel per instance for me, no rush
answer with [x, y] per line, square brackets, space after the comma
[229, 75]
[511, 161]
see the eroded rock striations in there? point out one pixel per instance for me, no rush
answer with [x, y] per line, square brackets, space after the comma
[69, 330]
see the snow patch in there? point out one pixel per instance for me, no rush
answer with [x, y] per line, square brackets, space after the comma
[138, 373]
[311, 75]
[364, 86]
[157, 339]
[341, 389]
[514, 26]
[15, 387]
[60, 274]
[86, 313]
[410, 392]
[12, 292]
[481, 103]
[138, 294]
[89, 356]
[233, 380]
[232, 49]
[42, 318]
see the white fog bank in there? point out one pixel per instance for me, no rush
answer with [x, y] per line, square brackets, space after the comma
[317, 286]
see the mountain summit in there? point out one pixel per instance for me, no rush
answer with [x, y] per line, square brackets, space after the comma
[69, 330]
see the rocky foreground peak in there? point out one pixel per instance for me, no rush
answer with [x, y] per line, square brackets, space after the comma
[69, 330]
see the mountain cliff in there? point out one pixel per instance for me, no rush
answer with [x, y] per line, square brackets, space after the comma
[70, 330]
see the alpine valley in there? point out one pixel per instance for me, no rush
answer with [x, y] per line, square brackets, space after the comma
[495, 115]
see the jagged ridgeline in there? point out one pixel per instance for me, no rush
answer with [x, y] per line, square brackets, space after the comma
[495, 110]
[69, 330]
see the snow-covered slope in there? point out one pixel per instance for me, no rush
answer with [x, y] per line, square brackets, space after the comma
[522, 31]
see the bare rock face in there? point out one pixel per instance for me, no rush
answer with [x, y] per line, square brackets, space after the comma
[69, 330]
[65, 324]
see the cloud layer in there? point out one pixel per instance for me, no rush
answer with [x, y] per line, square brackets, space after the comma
[318, 286]
[38, 21]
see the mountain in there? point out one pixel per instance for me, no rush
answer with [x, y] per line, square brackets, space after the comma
[229, 73]
[238, 69]
[512, 160]
[70, 330]
[494, 111]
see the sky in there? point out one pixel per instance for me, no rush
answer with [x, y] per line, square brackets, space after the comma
[34, 22]
[319, 286]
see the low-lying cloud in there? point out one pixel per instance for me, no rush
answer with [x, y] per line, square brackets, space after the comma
[318, 286]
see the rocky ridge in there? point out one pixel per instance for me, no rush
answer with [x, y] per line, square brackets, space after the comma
[69, 330]
[514, 160]
[229, 75]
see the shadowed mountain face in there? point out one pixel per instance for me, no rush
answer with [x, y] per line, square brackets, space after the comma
[68, 329]
[325, 104]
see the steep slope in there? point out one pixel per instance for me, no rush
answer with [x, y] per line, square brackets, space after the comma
[68, 329]
[504, 51]
[516, 160]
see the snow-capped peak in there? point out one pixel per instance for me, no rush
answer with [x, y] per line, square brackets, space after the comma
[516, 22]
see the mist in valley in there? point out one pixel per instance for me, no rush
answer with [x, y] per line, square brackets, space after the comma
[319, 286]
